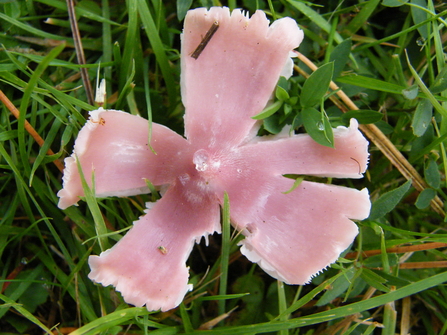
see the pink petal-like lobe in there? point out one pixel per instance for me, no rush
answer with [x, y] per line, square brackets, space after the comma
[114, 145]
[148, 264]
[295, 234]
[235, 75]
[300, 154]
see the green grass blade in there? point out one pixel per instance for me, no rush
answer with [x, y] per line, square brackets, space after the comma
[225, 253]
[185, 318]
[26, 97]
[100, 225]
[282, 306]
[108, 321]
[397, 35]
[23, 286]
[80, 11]
[44, 149]
[441, 110]
[130, 52]
[159, 51]
[33, 30]
[361, 17]
[338, 312]
[316, 18]
[22, 311]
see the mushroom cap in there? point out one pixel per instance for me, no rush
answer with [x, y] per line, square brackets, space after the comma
[292, 231]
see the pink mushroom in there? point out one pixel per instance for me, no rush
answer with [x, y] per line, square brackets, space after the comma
[229, 79]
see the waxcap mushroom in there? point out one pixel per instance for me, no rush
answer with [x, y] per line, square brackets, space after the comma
[291, 235]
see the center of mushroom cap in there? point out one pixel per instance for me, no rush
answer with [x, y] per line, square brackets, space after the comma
[204, 161]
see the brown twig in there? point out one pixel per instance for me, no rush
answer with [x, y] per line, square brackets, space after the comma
[405, 320]
[80, 51]
[397, 250]
[383, 144]
[423, 265]
[12, 276]
[29, 128]
[419, 265]
[210, 324]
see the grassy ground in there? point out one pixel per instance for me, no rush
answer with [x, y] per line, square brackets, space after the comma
[389, 60]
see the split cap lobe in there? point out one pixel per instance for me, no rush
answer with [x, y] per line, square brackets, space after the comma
[294, 235]
[235, 75]
[231, 80]
[113, 145]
